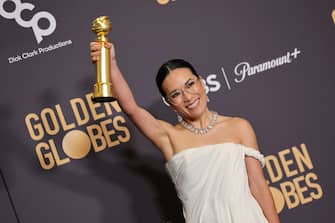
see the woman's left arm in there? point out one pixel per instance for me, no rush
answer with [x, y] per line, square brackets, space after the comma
[257, 182]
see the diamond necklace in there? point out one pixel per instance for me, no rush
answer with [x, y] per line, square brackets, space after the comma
[201, 131]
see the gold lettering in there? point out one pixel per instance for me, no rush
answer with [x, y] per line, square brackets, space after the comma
[54, 123]
[93, 106]
[46, 159]
[58, 160]
[319, 193]
[287, 162]
[76, 105]
[301, 189]
[108, 133]
[109, 105]
[126, 133]
[290, 196]
[302, 157]
[63, 122]
[272, 163]
[36, 131]
[96, 138]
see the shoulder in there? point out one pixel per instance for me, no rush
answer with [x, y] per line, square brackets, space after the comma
[245, 131]
[242, 123]
[238, 123]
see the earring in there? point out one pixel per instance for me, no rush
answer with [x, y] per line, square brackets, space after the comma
[179, 117]
[165, 102]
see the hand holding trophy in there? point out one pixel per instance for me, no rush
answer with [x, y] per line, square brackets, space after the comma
[101, 54]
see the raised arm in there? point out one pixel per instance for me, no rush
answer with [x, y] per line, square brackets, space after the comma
[155, 130]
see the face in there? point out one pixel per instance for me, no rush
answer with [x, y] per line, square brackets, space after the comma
[185, 92]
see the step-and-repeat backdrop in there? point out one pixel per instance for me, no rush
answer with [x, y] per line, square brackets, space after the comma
[66, 159]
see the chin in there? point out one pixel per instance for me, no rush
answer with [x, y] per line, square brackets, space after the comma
[198, 111]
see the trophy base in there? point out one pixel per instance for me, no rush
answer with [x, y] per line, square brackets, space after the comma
[103, 92]
[103, 99]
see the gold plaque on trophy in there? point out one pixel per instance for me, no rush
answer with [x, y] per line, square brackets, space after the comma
[103, 90]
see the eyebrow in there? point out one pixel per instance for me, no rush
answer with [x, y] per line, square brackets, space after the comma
[190, 79]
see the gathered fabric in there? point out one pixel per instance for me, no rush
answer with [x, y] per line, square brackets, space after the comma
[212, 183]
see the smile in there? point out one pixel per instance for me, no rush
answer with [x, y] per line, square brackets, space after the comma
[193, 104]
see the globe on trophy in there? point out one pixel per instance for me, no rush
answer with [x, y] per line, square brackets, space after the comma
[103, 90]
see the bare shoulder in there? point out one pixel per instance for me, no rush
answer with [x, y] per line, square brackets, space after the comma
[245, 131]
[241, 122]
[234, 121]
[225, 119]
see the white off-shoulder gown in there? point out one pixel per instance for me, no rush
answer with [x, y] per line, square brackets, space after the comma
[212, 183]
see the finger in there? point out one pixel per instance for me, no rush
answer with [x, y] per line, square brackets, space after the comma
[95, 46]
[94, 43]
[95, 53]
[108, 45]
[94, 58]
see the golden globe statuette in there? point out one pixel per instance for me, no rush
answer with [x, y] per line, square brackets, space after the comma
[103, 91]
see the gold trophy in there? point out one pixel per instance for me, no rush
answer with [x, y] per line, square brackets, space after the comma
[103, 91]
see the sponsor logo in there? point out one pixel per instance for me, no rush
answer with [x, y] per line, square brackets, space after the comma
[67, 132]
[245, 70]
[33, 23]
[242, 71]
[291, 177]
[38, 51]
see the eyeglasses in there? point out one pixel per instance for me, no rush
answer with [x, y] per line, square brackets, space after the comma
[191, 86]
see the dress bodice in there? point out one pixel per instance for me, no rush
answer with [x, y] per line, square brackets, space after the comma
[212, 183]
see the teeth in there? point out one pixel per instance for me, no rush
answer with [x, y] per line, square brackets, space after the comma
[192, 104]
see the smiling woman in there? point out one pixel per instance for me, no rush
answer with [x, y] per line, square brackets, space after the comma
[222, 184]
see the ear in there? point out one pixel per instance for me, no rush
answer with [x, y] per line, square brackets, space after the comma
[204, 85]
[203, 82]
[165, 102]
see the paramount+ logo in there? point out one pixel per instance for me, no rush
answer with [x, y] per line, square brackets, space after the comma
[69, 132]
[292, 179]
[33, 23]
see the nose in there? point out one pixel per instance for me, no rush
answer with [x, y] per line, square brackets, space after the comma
[187, 96]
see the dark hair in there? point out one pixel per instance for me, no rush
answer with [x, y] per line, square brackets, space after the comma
[169, 66]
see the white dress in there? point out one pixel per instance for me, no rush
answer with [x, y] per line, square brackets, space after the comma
[212, 183]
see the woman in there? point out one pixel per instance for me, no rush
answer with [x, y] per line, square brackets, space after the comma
[212, 159]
